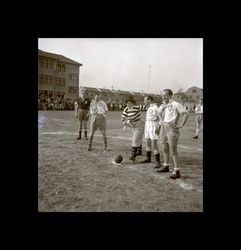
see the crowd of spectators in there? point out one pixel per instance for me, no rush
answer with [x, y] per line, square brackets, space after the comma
[58, 103]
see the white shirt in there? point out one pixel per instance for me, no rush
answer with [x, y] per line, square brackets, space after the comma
[171, 111]
[98, 108]
[152, 113]
[199, 109]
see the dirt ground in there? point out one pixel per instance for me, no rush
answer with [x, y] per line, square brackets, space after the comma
[72, 179]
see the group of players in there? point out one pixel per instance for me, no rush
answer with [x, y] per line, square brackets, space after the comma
[160, 123]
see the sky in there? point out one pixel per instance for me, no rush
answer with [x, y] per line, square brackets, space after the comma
[133, 64]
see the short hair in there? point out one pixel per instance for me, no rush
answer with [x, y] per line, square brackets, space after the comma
[149, 98]
[169, 91]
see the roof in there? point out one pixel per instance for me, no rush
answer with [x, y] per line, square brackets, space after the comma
[90, 89]
[186, 89]
[106, 90]
[59, 57]
[124, 92]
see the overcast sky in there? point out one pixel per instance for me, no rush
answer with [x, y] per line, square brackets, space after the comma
[123, 63]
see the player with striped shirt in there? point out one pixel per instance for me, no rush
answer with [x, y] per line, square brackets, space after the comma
[131, 117]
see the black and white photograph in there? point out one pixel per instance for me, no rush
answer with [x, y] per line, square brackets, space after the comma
[120, 124]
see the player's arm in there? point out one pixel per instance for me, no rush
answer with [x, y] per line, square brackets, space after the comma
[185, 116]
[76, 108]
[182, 110]
[124, 117]
[106, 108]
[142, 107]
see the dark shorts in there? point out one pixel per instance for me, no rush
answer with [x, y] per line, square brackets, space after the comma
[97, 121]
[83, 115]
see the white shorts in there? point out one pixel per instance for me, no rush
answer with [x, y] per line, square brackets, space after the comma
[150, 128]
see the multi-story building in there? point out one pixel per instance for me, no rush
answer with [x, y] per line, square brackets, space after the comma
[57, 76]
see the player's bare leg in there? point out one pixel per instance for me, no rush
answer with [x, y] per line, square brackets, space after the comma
[85, 129]
[148, 151]
[165, 167]
[176, 172]
[90, 140]
[105, 140]
[157, 154]
[80, 130]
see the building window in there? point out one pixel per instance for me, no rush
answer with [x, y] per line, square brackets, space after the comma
[63, 68]
[41, 63]
[45, 64]
[58, 81]
[50, 79]
[58, 67]
[45, 79]
[41, 79]
[51, 64]
[62, 81]
[73, 89]
[194, 91]
[190, 97]
[73, 76]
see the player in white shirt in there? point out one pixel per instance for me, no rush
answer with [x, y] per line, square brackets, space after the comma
[170, 112]
[199, 117]
[151, 125]
[98, 109]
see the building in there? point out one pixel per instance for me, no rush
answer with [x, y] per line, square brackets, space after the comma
[58, 76]
[189, 97]
[193, 94]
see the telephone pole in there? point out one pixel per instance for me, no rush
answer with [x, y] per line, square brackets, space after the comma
[149, 74]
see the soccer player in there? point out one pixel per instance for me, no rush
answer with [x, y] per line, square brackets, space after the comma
[82, 113]
[170, 112]
[131, 117]
[199, 117]
[151, 125]
[98, 109]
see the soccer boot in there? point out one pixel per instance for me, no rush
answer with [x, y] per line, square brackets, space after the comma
[148, 157]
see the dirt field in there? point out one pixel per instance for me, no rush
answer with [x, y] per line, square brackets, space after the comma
[72, 179]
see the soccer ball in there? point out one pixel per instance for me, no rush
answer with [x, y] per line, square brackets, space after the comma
[118, 159]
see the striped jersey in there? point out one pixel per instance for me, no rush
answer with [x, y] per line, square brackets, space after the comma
[133, 114]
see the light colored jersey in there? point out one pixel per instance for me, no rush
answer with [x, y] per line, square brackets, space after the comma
[99, 107]
[152, 113]
[199, 109]
[170, 112]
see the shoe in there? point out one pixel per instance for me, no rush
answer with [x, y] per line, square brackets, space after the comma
[106, 149]
[133, 153]
[89, 148]
[175, 175]
[78, 138]
[163, 169]
[158, 165]
[195, 137]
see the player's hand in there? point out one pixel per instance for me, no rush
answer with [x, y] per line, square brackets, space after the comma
[160, 123]
[178, 126]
